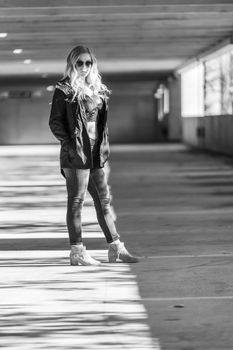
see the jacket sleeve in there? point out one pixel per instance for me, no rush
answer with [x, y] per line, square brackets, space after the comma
[57, 116]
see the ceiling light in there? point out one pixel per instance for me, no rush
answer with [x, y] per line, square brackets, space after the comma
[37, 93]
[17, 51]
[27, 61]
[3, 35]
[50, 88]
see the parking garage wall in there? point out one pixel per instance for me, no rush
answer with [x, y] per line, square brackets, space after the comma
[25, 108]
[212, 133]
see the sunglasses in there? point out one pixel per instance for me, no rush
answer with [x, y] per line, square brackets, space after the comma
[81, 63]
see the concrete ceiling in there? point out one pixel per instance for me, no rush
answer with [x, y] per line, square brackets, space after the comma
[126, 35]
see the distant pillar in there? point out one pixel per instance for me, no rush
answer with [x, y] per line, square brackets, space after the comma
[174, 117]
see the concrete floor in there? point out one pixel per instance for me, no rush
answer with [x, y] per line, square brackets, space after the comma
[174, 209]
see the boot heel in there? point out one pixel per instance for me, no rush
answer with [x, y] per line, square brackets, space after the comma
[112, 255]
[112, 259]
[74, 262]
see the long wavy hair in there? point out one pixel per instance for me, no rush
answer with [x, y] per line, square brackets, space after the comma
[93, 79]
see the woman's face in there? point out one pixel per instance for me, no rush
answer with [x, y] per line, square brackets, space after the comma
[84, 64]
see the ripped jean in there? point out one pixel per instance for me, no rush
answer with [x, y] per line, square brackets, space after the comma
[78, 181]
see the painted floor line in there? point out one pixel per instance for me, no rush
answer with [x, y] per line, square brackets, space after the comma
[222, 255]
[157, 213]
[64, 253]
[133, 300]
[223, 297]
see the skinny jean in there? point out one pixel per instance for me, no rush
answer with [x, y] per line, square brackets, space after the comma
[78, 181]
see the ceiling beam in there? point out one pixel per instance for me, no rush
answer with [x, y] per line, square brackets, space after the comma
[105, 3]
[77, 10]
[113, 12]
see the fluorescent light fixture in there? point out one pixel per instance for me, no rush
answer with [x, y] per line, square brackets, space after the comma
[3, 35]
[50, 88]
[27, 61]
[4, 94]
[17, 51]
[37, 93]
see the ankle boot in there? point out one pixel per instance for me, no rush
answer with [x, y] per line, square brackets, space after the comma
[118, 251]
[79, 256]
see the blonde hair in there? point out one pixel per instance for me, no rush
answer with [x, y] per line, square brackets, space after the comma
[93, 79]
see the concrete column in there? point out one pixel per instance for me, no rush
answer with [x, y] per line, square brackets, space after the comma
[174, 117]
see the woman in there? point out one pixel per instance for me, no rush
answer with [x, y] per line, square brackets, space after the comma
[78, 120]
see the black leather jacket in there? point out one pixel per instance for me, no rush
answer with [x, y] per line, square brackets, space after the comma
[70, 128]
